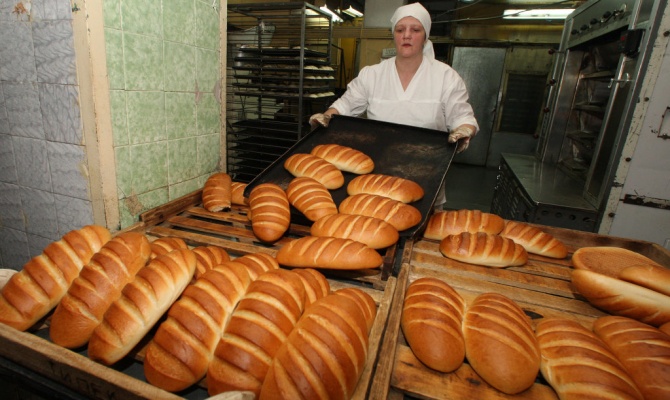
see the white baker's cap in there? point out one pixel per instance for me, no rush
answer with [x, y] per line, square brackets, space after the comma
[415, 10]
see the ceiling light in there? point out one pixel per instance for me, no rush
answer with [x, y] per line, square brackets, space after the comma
[334, 17]
[547, 13]
[353, 12]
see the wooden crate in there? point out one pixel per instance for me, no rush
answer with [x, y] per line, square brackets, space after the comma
[541, 287]
[183, 218]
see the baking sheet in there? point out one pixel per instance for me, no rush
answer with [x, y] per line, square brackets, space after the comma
[419, 154]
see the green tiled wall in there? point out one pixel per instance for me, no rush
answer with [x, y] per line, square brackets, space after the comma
[163, 67]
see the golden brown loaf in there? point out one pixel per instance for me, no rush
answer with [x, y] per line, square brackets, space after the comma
[99, 283]
[365, 303]
[302, 164]
[324, 355]
[665, 328]
[373, 232]
[500, 344]
[642, 349]
[35, 290]
[258, 263]
[5, 275]
[165, 245]
[649, 276]
[394, 187]
[329, 253]
[442, 224]
[143, 301]
[217, 193]
[534, 240]
[622, 298]
[400, 215]
[257, 329]
[311, 198]
[209, 257]
[182, 348]
[579, 365]
[237, 196]
[270, 212]
[483, 249]
[345, 158]
[431, 322]
[608, 260]
[316, 285]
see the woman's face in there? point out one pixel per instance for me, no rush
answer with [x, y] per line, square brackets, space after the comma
[409, 37]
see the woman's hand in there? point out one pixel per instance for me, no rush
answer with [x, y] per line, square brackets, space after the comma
[462, 135]
[319, 119]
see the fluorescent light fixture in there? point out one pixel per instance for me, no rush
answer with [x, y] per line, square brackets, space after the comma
[353, 12]
[334, 17]
[540, 13]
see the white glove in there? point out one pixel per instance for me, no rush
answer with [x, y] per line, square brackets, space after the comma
[462, 135]
[319, 119]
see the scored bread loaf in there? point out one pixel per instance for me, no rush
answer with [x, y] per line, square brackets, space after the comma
[328, 252]
[35, 290]
[344, 158]
[483, 249]
[99, 283]
[500, 344]
[209, 257]
[257, 329]
[642, 349]
[622, 298]
[316, 285]
[365, 303]
[237, 194]
[454, 222]
[649, 276]
[183, 347]
[579, 365]
[324, 356]
[143, 302]
[5, 275]
[258, 263]
[270, 212]
[217, 193]
[431, 322]
[665, 328]
[534, 240]
[394, 187]
[373, 232]
[608, 260]
[310, 197]
[402, 216]
[302, 164]
[165, 245]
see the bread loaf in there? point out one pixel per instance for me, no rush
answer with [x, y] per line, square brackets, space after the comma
[665, 328]
[217, 193]
[316, 285]
[534, 240]
[183, 347]
[578, 365]
[642, 349]
[270, 212]
[324, 355]
[394, 187]
[330, 253]
[431, 322]
[99, 283]
[5, 275]
[373, 232]
[311, 198]
[165, 245]
[365, 303]
[344, 158]
[237, 196]
[622, 298]
[258, 263]
[483, 249]
[301, 164]
[209, 257]
[35, 290]
[400, 215]
[500, 344]
[142, 303]
[454, 222]
[608, 261]
[257, 329]
[649, 276]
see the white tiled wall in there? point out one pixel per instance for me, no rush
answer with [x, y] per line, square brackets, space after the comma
[44, 187]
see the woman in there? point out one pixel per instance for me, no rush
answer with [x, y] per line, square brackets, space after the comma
[411, 88]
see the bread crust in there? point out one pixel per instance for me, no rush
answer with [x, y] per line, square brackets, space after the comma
[217, 193]
[534, 240]
[329, 253]
[453, 222]
[374, 232]
[608, 260]
[394, 187]
[165, 245]
[649, 276]
[270, 212]
[345, 158]
[209, 257]
[302, 164]
[400, 215]
[237, 193]
[311, 198]
[483, 249]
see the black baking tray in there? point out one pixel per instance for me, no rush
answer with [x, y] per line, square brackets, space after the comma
[419, 154]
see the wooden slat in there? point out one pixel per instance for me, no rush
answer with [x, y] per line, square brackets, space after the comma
[159, 214]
